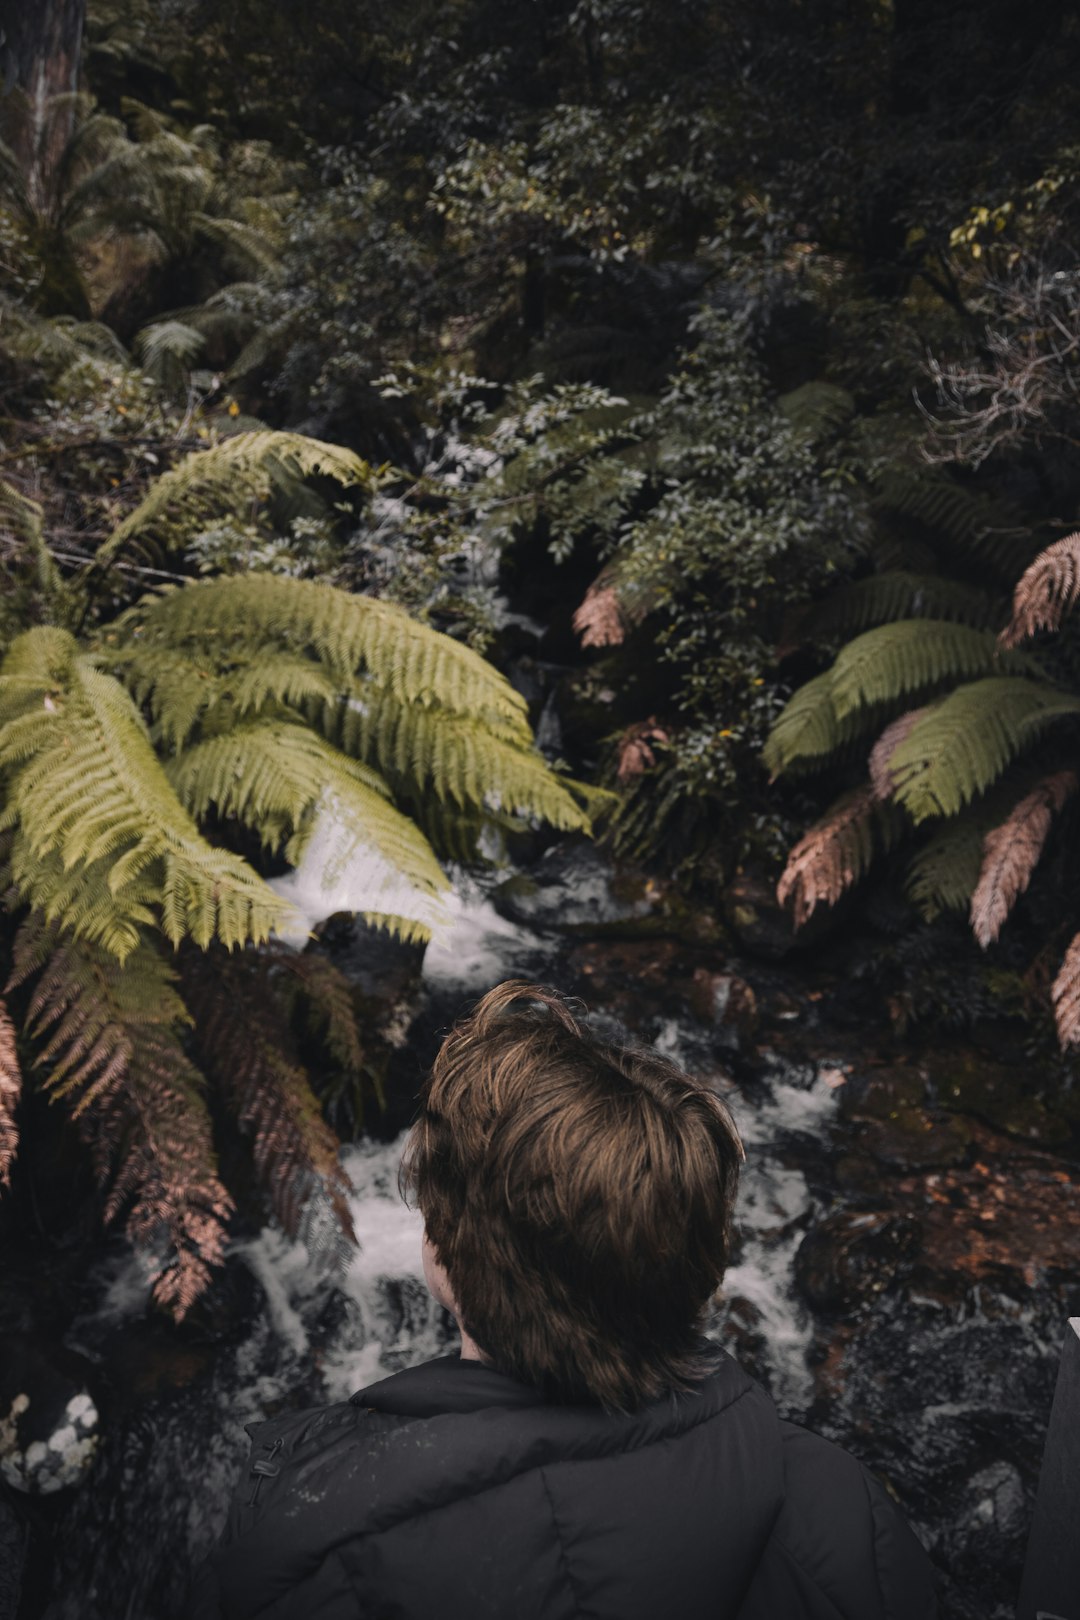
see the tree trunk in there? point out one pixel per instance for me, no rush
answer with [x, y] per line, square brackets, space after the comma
[40, 46]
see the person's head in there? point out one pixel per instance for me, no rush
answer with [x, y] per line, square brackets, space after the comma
[578, 1194]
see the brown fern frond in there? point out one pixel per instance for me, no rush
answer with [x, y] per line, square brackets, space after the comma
[10, 1091]
[243, 1038]
[329, 996]
[167, 1177]
[829, 858]
[599, 619]
[111, 1040]
[635, 754]
[1011, 852]
[1065, 994]
[881, 778]
[1045, 591]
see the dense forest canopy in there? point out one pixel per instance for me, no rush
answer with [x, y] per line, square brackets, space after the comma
[736, 344]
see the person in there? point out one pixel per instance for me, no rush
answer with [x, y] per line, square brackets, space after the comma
[589, 1453]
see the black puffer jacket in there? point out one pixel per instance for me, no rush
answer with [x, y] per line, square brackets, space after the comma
[450, 1492]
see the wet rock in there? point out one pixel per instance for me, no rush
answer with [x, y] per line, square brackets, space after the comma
[853, 1255]
[999, 1093]
[727, 1002]
[756, 917]
[762, 925]
[911, 1138]
[894, 1126]
[382, 969]
[575, 889]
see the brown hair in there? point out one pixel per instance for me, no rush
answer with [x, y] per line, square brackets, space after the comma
[579, 1195]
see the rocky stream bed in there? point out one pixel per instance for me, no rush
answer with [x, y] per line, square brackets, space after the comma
[909, 1225]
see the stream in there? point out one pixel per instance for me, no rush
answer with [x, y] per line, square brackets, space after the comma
[868, 1290]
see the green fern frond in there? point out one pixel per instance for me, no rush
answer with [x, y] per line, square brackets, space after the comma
[898, 594]
[228, 478]
[809, 730]
[86, 785]
[350, 635]
[894, 661]
[962, 744]
[817, 409]
[82, 899]
[458, 758]
[167, 350]
[273, 776]
[24, 519]
[972, 523]
[942, 875]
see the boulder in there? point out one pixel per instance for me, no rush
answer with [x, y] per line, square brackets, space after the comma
[851, 1256]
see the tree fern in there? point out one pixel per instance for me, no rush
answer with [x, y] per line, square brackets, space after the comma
[347, 634]
[112, 1050]
[167, 351]
[273, 776]
[424, 710]
[880, 776]
[85, 784]
[24, 520]
[227, 478]
[1065, 995]
[962, 744]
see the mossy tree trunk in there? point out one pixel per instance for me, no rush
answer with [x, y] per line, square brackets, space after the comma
[41, 45]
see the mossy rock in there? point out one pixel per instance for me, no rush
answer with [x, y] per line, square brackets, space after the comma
[967, 1082]
[913, 1139]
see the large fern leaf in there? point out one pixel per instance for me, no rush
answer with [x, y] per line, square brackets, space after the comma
[974, 525]
[808, 729]
[942, 874]
[426, 711]
[1045, 591]
[348, 634]
[835, 852]
[1065, 994]
[900, 594]
[85, 785]
[227, 478]
[243, 1037]
[1011, 851]
[111, 1046]
[896, 660]
[962, 744]
[273, 776]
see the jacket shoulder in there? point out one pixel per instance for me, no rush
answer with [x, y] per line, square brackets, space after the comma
[840, 1548]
